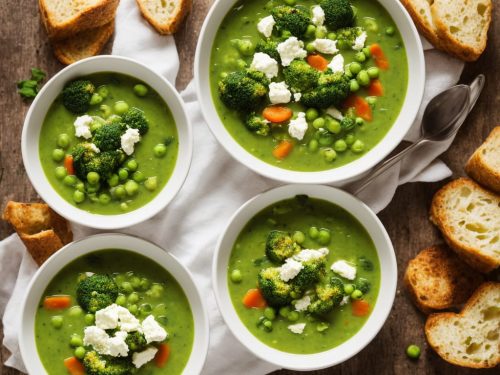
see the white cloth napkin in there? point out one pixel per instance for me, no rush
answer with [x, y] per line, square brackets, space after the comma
[216, 186]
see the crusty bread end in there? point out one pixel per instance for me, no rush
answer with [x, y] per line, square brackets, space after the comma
[165, 16]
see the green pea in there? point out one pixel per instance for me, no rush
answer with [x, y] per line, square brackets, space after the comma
[145, 284]
[121, 107]
[70, 180]
[357, 294]
[241, 64]
[119, 192]
[373, 72]
[223, 75]
[96, 99]
[332, 36]
[236, 276]
[104, 198]
[363, 78]
[60, 172]
[360, 56]
[91, 188]
[340, 145]
[270, 313]
[124, 206]
[79, 352]
[105, 110]
[133, 309]
[63, 140]
[333, 126]
[132, 165]
[367, 52]
[76, 340]
[320, 32]
[123, 174]
[324, 236]
[322, 326]
[348, 289]
[57, 321]
[349, 139]
[268, 325]
[140, 90]
[293, 316]
[136, 282]
[325, 139]
[151, 183]
[294, 294]
[312, 114]
[353, 85]
[131, 187]
[285, 34]
[160, 150]
[329, 155]
[75, 311]
[138, 176]
[89, 319]
[371, 24]
[93, 178]
[58, 154]
[310, 48]
[311, 31]
[355, 68]
[133, 298]
[127, 287]
[284, 311]
[348, 73]
[103, 91]
[299, 237]
[162, 319]
[121, 300]
[359, 121]
[358, 146]
[113, 180]
[313, 145]
[413, 351]
[145, 309]
[372, 100]
[155, 291]
[246, 47]
[318, 123]
[390, 30]
[313, 232]
[78, 196]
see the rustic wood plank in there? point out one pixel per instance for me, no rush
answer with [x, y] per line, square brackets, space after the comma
[23, 44]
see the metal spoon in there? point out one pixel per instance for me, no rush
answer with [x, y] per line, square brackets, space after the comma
[442, 118]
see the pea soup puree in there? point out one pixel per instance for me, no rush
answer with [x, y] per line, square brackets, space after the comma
[303, 275]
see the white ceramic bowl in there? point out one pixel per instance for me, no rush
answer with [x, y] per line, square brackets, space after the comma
[93, 244]
[336, 176]
[379, 314]
[36, 115]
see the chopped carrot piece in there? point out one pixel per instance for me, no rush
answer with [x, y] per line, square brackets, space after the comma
[57, 302]
[282, 150]
[253, 299]
[379, 56]
[376, 88]
[74, 366]
[360, 105]
[277, 114]
[161, 357]
[68, 164]
[318, 62]
[360, 308]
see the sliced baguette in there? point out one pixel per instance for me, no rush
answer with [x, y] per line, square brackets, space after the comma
[437, 279]
[471, 338]
[484, 164]
[420, 12]
[469, 218]
[84, 44]
[462, 26]
[164, 15]
[65, 18]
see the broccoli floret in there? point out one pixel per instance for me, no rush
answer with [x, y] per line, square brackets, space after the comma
[275, 291]
[347, 36]
[135, 118]
[348, 123]
[332, 90]
[85, 160]
[257, 124]
[136, 341]
[108, 137]
[243, 91]
[301, 76]
[268, 47]
[338, 13]
[76, 96]
[327, 296]
[96, 292]
[293, 19]
[279, 246]
[363, 284]
[310, 274]
[96, 364]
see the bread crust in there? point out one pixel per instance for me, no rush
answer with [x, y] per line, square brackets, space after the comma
[174, 22]
[471, 255]
[480, 170]
[421, 24]
[92, 17]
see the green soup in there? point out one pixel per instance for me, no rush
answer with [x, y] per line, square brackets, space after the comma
[320, 149]
[167, 304]
[154, 170]
[348, 241]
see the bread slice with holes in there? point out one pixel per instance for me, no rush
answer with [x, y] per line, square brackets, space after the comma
[471, 338]
[437, 279]
[462, 26]
[469, 218]
[65, 18]
[484, 164]
[164, 15]
[82, 45]
[420, 12]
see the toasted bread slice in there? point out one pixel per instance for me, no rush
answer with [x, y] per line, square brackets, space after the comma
[41, 229]
[164, 15]
[437, 279]
[462, 27]
[484, 164]
[65, 18]
[420, 12]
[469, 218]
[84, 44]
[471, 338]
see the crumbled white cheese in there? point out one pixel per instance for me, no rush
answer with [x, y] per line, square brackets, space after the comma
[128, 322]
[326, 46]
[264, 63]
[297, 328]
[344, 269]
[290, 269]
[88, 274]
[303, 303]
[117, 346]
[129, 139]
[359, 42]
[279, 93]
[309, 254]
[337, 64]
[94, 148]
[290, 50]
[82, 126]
[265, 26]
[344, 301]
[298, 127]
[318, 15]
[152, 330]
[107, 318]
[139, 359]
[97, 338]
[297, 96]
[335, 113]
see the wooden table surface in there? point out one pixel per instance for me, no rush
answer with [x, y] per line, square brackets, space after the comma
[23, 44]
